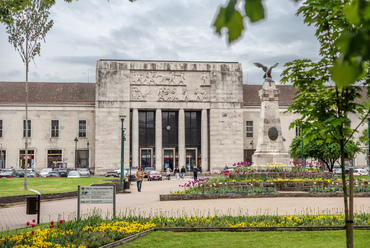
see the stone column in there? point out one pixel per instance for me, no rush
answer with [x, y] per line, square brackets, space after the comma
[135, 138]
[158, 140]
[204, 140]
[181, 130]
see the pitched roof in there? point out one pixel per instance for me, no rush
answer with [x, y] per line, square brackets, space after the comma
[14, 92]
[287, 93]
[251, 97]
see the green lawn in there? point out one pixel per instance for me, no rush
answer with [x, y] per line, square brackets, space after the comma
[15, 186]
[302, 239]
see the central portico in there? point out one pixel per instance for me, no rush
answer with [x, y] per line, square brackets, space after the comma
[178, 114]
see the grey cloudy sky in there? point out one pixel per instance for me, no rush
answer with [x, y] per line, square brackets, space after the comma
[175, 30]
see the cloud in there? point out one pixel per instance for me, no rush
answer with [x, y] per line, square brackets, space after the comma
[86, 31]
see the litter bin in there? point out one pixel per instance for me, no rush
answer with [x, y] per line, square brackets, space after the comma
[31, 205]
[126, 185]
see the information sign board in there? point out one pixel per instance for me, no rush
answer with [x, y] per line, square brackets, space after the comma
[96, 195]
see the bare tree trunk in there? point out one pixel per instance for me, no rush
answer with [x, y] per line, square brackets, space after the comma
[26, 143]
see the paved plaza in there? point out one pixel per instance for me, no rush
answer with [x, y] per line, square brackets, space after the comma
[146, 203]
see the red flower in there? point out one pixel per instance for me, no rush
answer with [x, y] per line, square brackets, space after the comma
[33, 220]
[52, 226]
[33, 225]
[33, 232]
[28, 223]
[52, 222]
[61, 221]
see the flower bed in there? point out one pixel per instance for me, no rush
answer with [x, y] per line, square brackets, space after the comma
[96, 232]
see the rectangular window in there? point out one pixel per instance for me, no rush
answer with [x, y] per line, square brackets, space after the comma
[1, 128]
[82, 129]
[55, 128]
[249, 128]
[298, 131]
[24, 128]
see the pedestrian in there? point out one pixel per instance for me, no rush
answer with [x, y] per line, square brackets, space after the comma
[177, 173]
[183, 172]
[139, 178]
[168, 173]
[195, 171]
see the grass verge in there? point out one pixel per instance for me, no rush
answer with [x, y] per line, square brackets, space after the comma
[45, 185]
[301, 239]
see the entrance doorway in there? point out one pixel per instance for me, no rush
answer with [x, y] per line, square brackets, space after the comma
[191, 158]
[169, 158]
[146, 157]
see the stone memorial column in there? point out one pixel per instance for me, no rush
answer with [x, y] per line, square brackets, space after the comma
[135, 138]
[204, 140]
[158, 140]
[181, 131]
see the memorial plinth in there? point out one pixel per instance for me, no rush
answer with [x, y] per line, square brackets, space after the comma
[270, 148]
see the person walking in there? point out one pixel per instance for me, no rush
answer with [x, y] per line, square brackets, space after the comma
[195, 171]
[183, 172]
[168, 173]
[139, 178]
[177, 173]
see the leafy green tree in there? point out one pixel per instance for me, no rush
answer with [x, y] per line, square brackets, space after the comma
[350, 67]
[9, 8]
[26, 30]
[324, 108]
[329, 153]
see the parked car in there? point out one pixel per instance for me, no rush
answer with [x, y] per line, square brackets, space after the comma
[73, 174]
[360, 172]
[112, 174]
[20, 173]
[124, 169]
[154, 175]
[228, 169]
[354, 168]
[7, 173]
[32, 174]
[336, 168]
[45, 171]
[146, 171]
[84, 172]
[63, 172]
[53, 174]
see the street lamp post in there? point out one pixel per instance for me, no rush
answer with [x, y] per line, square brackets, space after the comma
[122, 117]
[368, 135]
[88, 155]
[1, 155]
[302, 145]
[76, 140]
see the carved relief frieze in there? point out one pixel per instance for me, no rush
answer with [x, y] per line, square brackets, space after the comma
[168, 78]
[170, 86]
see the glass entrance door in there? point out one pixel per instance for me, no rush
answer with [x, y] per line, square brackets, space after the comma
[169, 158]
[146, 157]
[191, 158]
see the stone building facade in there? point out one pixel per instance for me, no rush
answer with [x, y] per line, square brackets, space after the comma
[177, 114]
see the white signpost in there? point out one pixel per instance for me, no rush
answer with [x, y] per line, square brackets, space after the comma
[96, 195]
